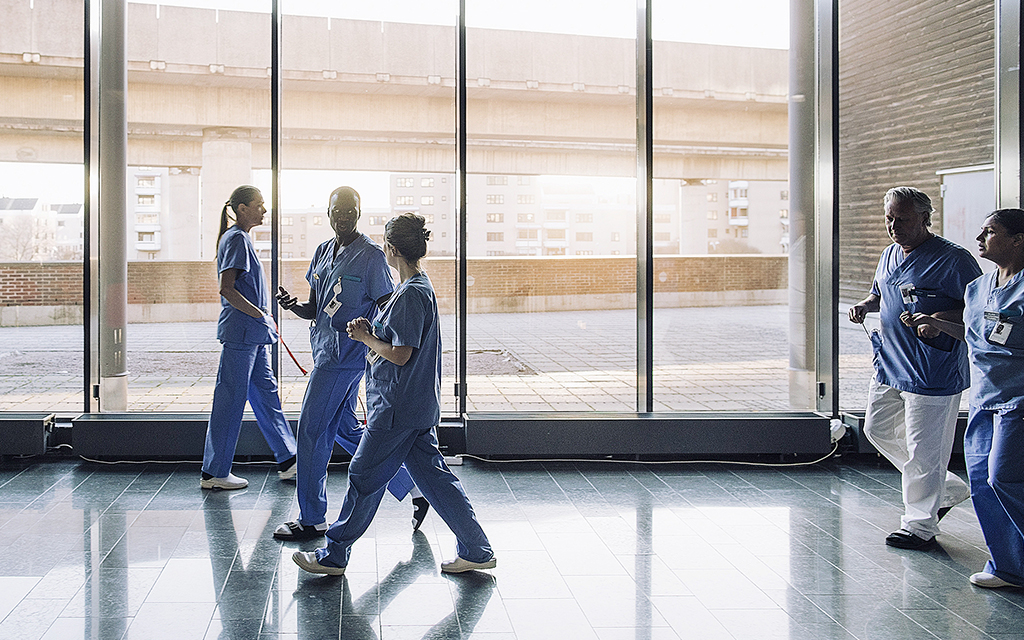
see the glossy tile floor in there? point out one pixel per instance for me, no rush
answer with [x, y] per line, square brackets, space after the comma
[585, 551]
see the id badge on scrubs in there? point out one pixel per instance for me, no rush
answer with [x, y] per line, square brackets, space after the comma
[1000, 332]
[335, 304]
[907, 293]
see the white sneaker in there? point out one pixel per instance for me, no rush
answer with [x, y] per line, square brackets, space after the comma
[307, 561]
[989, 581]
[230, 482]
[458, 565]
[956, 496]
[287, 469]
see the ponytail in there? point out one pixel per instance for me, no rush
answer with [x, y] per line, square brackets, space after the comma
[244, 194]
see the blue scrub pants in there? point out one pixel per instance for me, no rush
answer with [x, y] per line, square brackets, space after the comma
[380, 454]
[244, 373]
[994, 451]
[329, 416]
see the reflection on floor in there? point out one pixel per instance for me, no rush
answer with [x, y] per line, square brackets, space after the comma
[585, 551]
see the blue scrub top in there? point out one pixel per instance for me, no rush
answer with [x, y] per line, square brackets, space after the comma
[997, 370]
[407, 396]
[936, 272]
[357, 277]
[235, 251]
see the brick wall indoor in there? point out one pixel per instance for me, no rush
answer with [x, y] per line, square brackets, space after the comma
[916, 95]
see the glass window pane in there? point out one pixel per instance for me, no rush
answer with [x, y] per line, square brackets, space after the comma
[368, 102]
[41, 207]
[551, 207]
[198, 126]
[721, 236]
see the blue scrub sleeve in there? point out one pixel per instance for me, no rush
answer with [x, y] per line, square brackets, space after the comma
[235, 255]
[407, 319]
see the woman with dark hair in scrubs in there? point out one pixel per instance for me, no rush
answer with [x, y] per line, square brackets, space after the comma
[994, 443]
[246, 330]
[403, 392]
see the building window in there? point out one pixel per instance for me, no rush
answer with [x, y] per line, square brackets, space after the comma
[495, 198]
[712, 197]
[286, 239]
[555, 234]
[554, 251]
[784, 195]
[495, 236]
[524, 217]
[495, 217]
[556, 216]
[147, 236]
[428, 218]
[146, 182]
[744, 232]
[142, 218]
[584, 252]
[286, 221]
[427, 182]
[712, 233]
[527, 234]
[404, 182]
[405, 200]
[584, 236]
[662, 236]
[426, 200]
[525, 198]
[378, 220]
[287, 255]
[584, 217]
[262, 236]
[662, 218]
[146, 200]
[318, 220]
[497, 181]
[712, 215]
[615, 236]
[784, 213]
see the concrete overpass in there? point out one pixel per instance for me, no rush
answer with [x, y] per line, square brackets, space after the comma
[380, 96]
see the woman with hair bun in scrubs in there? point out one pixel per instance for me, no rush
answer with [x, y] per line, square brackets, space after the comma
[245, 330]
[994, 443]
[403, 392]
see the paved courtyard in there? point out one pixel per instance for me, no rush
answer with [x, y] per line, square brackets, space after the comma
[710, 358]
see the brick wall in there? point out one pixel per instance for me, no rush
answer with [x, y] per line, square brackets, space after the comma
[916, 95]
[497, 284]
[40, 283]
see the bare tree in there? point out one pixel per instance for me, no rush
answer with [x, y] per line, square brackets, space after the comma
[23, 238]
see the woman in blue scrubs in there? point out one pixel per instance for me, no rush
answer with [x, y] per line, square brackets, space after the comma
[246, 330]
[403, 392]
[994, 443]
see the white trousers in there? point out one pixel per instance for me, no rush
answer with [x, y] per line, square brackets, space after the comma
[915, 433]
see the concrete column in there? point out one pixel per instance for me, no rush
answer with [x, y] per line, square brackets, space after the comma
[227, 163]
[803, 93]
[113, 160]
[1008, 104]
